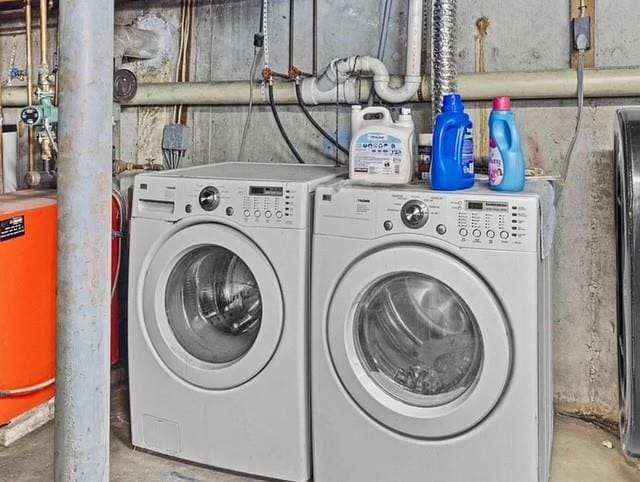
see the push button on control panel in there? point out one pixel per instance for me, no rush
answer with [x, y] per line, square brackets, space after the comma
[463, 232]
[441, 229]
[491, 234]
[504, 235]
[477, 233]
[267, 214]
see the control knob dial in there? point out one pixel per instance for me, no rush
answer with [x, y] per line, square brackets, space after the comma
[415, 214]
[209, 198]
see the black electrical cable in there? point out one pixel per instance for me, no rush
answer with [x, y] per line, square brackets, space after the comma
[315, 124]
[280, 127]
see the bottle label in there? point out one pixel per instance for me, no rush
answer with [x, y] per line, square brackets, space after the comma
[496, 164]
[378, 154]
[467, 152]
[424, 162]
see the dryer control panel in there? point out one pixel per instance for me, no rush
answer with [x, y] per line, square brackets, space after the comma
[259, 204]
[477, 218]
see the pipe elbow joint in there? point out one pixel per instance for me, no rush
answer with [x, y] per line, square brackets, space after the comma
[314, 93]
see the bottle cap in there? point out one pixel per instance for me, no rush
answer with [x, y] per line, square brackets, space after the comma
[452, 103]
[502, 103]
[425, 139]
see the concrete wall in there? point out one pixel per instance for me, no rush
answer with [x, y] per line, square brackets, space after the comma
[533, 37]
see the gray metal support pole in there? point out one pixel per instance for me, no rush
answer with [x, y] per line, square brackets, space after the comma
[84, 240]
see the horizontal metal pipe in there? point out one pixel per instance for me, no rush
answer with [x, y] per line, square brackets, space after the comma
[559, 84]
[14, 96]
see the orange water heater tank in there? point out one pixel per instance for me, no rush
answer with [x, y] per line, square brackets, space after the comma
[28, 241]
[27, 300]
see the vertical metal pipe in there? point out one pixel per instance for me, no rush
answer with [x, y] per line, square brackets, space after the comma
[291, 31]
[84, 241]
[315, 38]
[29, 41]
[2, 182]
[44, 37]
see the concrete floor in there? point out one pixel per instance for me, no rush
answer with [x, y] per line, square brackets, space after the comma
[579, 456]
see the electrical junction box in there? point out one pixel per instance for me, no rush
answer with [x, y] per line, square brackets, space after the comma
[27, 299]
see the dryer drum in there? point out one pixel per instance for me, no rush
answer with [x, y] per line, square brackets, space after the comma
[418, 339]
[627, 179]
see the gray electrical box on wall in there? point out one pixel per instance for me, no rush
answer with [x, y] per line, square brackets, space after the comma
[627, 154]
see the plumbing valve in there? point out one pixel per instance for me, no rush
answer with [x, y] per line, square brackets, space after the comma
[37, 115]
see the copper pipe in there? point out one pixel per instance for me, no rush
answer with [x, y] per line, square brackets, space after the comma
[56, 95]
[2, 184]
[44, 40]
[29, 30]
[29, 27]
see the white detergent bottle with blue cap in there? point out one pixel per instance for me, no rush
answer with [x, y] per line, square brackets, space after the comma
[506, 159]
[381, 150]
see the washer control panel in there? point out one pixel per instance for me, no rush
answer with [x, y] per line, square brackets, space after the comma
[482, 221]
[261, 204]
[477, 218]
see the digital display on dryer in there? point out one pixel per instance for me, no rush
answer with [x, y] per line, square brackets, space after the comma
[487, 206]
[265, 191]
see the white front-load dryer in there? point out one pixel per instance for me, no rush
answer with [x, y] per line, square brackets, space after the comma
[431, 343]
[218, 318]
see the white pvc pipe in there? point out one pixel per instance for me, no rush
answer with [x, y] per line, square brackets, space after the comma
[336, 83]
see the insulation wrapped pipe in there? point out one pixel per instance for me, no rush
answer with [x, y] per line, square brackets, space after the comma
[135, 43]
[551, 84]
[443, 52]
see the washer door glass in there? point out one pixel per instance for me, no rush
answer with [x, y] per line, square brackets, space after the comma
[418, 340]
[213, 304]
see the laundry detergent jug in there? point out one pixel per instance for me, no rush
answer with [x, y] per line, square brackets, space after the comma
[452, 162]
[506, 159]
[381, 150]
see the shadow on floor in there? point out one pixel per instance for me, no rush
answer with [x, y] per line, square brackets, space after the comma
[579, 455]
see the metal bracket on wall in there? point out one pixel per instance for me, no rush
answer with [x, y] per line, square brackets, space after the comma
[590, 55]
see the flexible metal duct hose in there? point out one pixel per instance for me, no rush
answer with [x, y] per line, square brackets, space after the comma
[443, 51]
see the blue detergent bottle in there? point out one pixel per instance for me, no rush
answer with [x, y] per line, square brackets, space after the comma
[506, 159]
[452, 163]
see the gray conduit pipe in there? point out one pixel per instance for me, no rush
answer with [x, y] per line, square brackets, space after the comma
[554, 84]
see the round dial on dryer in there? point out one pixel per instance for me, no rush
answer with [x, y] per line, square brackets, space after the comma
[209, 198]
[415, 214]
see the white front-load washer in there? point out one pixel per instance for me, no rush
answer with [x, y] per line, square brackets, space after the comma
[431, 339]
[218, 318]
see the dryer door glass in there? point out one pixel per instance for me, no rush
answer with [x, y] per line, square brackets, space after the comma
[213, 304]
[417, 339]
